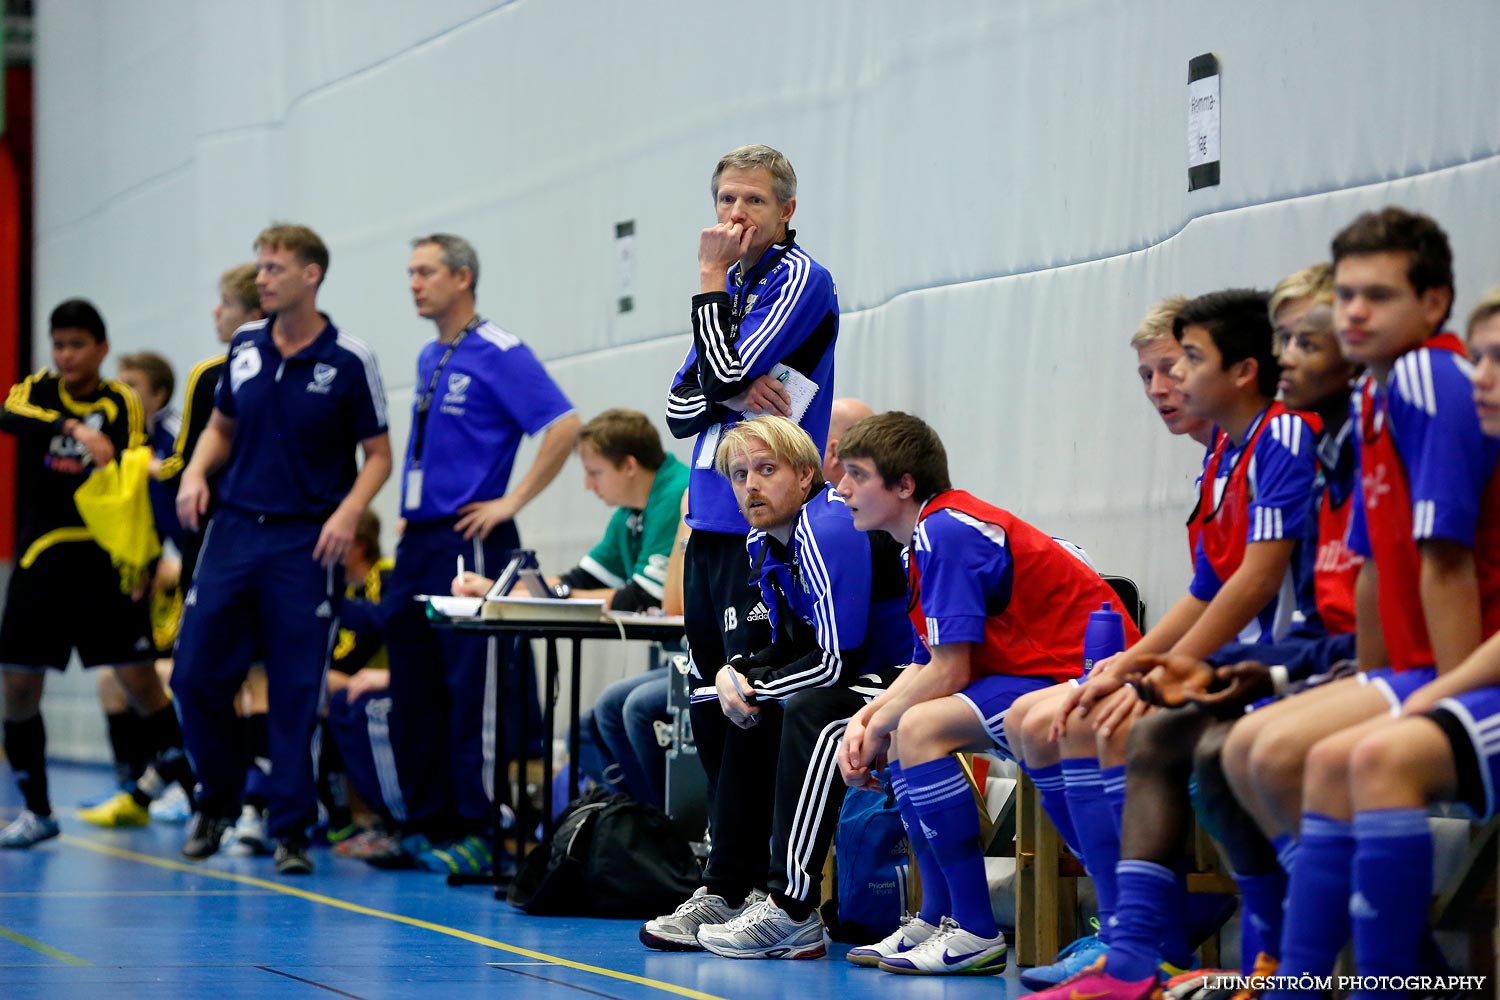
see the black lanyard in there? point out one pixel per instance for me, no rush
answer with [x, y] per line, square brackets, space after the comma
[753, 276]
[424, 402]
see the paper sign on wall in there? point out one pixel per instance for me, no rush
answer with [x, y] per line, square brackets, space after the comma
[625, 263]
[1203, 121]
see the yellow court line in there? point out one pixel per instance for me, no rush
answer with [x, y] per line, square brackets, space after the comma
[340, 904]
[45, 949]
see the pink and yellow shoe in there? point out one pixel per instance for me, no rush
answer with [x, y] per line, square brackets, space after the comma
[1188, 984]
[1094, 983]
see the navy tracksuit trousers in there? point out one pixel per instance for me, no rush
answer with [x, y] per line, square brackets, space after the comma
[257, 590]
[442, 722]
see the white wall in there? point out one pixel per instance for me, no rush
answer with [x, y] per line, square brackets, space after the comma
[999, 189]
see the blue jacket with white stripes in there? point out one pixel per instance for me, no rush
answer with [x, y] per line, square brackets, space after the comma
[837, 600]
[784, 310]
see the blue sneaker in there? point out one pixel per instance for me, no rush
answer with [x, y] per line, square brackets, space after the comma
[1072, 960]
[469, 856]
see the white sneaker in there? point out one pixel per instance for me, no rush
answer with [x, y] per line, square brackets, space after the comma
[247, 838]
[765, 930]
[172, 806]
[952, 951]
[678, 930]
[912, 932]
[28, 829]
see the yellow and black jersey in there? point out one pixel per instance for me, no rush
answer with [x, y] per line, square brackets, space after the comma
[202, 385]
[361, 641]
[52, 464]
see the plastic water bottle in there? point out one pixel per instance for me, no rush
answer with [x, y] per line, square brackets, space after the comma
[1104, 637]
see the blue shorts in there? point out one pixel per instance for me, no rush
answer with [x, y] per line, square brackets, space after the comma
[1476, 750]
[991, 697]
[1397, 685]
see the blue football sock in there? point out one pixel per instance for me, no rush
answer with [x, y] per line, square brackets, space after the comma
[935, 903]
[1175, 946]
[1261, 910]
[1285, 846]
[1251, 943]
[1317, 899]
[1147, 890]
[947, 814]
[1392, 887]
[1264, 898]
[1093, 820]
[1114, 790]
[1049, 786]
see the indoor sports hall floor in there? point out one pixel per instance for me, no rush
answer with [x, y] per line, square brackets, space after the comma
[117, 914]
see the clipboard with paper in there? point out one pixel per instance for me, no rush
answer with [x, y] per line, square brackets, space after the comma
[801, 389]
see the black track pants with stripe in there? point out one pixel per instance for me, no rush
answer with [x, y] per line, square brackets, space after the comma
[795, 798]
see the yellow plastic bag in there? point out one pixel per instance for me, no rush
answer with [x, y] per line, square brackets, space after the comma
[116, 508]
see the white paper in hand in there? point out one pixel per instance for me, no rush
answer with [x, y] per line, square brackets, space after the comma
[801, 389]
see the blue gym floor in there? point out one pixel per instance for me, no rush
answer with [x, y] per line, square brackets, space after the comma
[110, 914]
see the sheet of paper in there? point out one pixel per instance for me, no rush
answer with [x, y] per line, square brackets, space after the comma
[801, 388]
[454, 607]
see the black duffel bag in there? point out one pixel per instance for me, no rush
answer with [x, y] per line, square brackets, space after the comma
[611, 856]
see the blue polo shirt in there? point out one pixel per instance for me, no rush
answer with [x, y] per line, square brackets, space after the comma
[491, 394]
[298, 420]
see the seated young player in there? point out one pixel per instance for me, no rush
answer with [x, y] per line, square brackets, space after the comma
[1157, 353]
[1002, 608]
[1440, 749]
[624, 465]
[68, 421]
[1253, 506]
[359, 702]
[1169, 747]
[837, 603]
[1429, 588]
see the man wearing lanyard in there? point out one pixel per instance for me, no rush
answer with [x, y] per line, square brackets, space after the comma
[479, 391]
[297, 396]
[764, 306]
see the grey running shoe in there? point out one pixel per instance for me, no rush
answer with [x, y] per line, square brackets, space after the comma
[678, 930]
[27, 829]
[765, 930]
